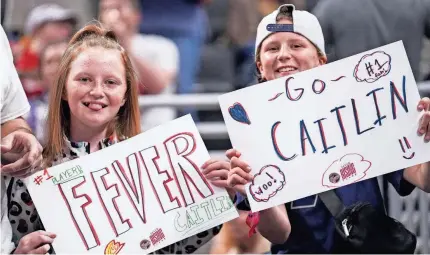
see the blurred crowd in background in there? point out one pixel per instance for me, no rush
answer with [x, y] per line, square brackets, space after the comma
[199, 46]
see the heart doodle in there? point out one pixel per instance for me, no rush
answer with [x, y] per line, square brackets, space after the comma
[239, 114]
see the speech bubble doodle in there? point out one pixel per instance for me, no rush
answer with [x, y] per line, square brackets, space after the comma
[373, 66]
[346, 170]
[238, 113]
[267, 183]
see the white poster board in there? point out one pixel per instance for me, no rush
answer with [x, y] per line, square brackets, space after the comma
[327, 127]
[137, 196]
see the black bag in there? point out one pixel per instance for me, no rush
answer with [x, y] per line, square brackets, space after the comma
[363, 229]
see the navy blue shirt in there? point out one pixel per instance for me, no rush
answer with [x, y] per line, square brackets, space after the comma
[312, 225]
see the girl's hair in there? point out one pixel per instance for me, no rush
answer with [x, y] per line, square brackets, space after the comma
[282, 15]
[127, 121]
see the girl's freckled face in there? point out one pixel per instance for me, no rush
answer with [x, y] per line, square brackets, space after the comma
[96, 87]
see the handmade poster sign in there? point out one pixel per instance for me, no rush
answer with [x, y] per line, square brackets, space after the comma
[327, 127]
[137, 196]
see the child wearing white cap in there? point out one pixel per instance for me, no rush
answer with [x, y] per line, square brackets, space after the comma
[45, 24]
[291, 41]
[303, 42]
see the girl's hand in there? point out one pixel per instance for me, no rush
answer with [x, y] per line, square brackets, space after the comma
[216, 171]
[424, 127]
[239, 172]
[35, 243]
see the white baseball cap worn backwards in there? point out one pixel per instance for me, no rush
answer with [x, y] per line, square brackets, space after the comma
[304, 23]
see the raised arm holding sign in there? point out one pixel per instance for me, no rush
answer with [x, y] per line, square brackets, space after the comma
[335, 126]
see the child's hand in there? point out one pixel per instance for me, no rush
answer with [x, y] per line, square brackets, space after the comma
[35, 243]
[239, 172]
[424, 126]
[216, 171]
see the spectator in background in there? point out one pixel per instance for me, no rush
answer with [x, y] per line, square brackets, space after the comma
[243, 18]
[155, 58]
[50, 58]
[368, 24]
[45, 24]
[185, 23]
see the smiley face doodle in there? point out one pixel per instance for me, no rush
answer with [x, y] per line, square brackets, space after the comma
[408, 146]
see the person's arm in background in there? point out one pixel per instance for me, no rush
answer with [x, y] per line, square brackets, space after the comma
[161, 71]
[21, 152]
[18, 125]
[152, 79]
[15, 134]
[14, 125]
[19, 147]
[14, 101]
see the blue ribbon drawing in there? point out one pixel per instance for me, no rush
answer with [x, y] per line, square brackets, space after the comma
[239, 114]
